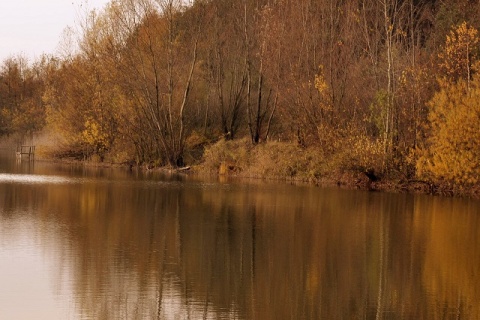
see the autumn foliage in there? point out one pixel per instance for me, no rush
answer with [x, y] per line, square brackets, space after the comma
[386, 87]
[454, 144]
[453, 147]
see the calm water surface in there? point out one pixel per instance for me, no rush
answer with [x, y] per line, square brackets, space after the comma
[80, 243]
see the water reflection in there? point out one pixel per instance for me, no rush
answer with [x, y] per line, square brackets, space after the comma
[31, 178]
[138, 248]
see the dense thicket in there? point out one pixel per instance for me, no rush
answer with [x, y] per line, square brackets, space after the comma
[392, 81]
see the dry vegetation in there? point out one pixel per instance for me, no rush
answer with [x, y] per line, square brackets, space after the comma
[345, 91]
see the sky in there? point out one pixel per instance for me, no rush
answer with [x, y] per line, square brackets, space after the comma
[34, 27]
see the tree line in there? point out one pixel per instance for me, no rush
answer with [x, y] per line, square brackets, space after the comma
[393, 81]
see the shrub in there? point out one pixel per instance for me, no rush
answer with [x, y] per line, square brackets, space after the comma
[235, 153]
[453, 151]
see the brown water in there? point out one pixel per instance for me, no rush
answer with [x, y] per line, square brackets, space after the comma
[81, 243]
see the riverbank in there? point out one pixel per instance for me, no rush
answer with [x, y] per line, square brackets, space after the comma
[350, 168]
[287, 162]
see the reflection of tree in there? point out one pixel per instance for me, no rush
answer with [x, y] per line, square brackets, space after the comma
[141, 250]
[452, 260]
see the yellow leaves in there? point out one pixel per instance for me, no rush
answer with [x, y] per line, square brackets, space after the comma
[413, 77]
[453, 150]
[94, 136]
[460, 52]
[323, 89]
[320, 82]
[454, 147]
[369, 152]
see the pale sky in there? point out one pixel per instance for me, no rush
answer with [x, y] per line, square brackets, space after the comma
[34, 27]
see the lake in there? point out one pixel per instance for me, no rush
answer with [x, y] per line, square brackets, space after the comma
[91, 243]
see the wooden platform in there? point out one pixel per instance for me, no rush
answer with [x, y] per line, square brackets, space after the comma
[26, 151]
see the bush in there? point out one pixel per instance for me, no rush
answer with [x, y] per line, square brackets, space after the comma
[232, 153]
[453, 150]
[285, 160]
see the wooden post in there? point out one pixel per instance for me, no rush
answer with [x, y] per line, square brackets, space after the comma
[26, 150]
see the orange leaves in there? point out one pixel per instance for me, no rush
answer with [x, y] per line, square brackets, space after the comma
[454, 146]
[453, 151]
[460, 52]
